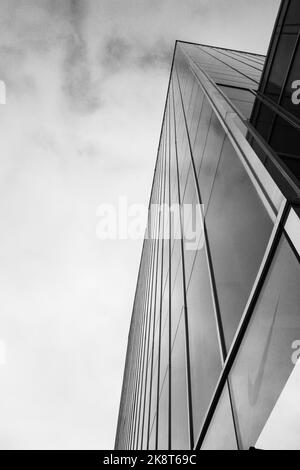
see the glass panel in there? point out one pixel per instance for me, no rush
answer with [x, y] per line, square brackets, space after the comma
[265, 360]
[242, 99]
[179, 434]
[211, 156]
[280, 65]
[164, 351]
[177, 300]
[152, 435]
[194, 120]
[145, 412]
[202, 133]
[238, 228]
[291, 96]
[163, 426]
[204, 347]
[221, 432]
[293, 14]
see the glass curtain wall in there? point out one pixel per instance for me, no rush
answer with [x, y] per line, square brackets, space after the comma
[217, 300]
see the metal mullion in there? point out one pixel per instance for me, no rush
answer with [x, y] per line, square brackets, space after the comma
[217, 310]
[170, 287]
[134, 388]
[147, 326]
[133, 371]
[222, 48]
[230, 66]
[188, 361]
[138, 370]
[251, 59]
[149, 299]
[154, 324]
[161, 217]
[154, 267]
[128, 361]
[238, 60]
[273, 46]
[259, 283]
[278, 109]
[155, 171]
[255, 176]
[147, 352]
[144, 336]
[139, 357]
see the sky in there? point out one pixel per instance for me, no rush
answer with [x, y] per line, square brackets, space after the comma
[86, 82]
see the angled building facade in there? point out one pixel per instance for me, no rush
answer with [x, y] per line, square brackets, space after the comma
[215, 331]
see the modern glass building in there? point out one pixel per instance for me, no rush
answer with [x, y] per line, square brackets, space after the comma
[215, 330]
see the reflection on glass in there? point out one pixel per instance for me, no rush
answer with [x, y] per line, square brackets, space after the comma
[211, 155]
[163, 419]
[280, 65]
[176, 300]
[179, 410]
[221, 432]
[239, 228]
[264, 361]
[204, 348]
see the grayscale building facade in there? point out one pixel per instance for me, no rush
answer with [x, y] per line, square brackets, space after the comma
[215, 331]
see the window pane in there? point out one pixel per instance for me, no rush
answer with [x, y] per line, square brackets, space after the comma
[264, 362]
[280, 65]
[180, 436]
[204, 347]
[212, 151]
[292, 87]
[164, 414]
[238, 228]
[221, 433]
[201, 133]
[176, 301]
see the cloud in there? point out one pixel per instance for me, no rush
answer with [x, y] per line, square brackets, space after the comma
[86, 89]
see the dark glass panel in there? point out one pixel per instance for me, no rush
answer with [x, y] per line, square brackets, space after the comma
[238, 228]
[264, 120]
[291, 96]
[264, 361]
[285, 139]
[280, 66]
[179, 410]
[221, 432]
[293, 13]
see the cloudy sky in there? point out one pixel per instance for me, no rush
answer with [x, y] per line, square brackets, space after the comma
[86, 83]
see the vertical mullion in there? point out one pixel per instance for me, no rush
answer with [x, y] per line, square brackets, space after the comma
[188, 362]
[142, 315]
[145, 334]
[219, 324]
[161, 242]
[170, 284]
[149, 331]
[154, 305]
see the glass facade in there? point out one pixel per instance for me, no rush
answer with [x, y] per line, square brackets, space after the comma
[216, 309]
